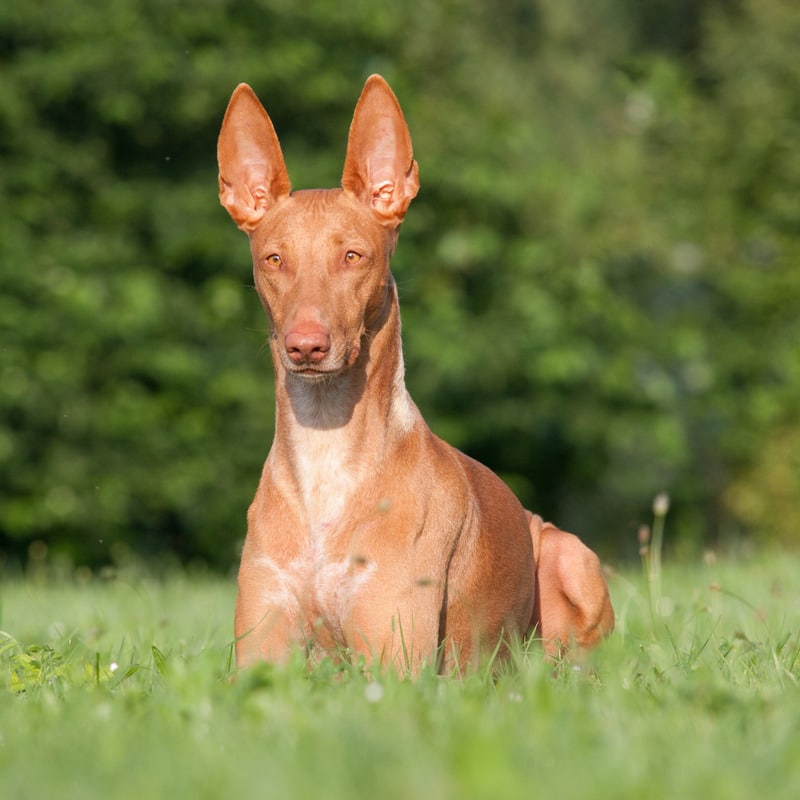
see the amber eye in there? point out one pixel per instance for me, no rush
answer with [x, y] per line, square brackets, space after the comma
[351, 258]
[274, 261]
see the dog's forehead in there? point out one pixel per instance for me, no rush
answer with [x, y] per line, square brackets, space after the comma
[311, 216]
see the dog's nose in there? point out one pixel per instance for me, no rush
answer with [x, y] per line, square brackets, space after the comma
[308, 344]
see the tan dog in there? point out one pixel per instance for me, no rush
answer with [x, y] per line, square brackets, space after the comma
[368, 534]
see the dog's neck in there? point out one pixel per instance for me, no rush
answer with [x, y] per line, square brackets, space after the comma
[333, 432]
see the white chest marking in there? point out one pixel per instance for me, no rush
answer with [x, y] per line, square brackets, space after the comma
[310, 583]
[329, 464]
[327, 472]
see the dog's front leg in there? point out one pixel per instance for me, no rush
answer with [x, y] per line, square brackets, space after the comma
[269, 621]
[398, 629]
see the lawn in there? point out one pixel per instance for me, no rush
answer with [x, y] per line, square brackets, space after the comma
[117, 687]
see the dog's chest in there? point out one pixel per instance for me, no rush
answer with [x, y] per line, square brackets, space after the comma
[336, 584]
[320, 586]
[331, 569]
[328, 471]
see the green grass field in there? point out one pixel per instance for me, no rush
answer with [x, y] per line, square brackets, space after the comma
[119, 688]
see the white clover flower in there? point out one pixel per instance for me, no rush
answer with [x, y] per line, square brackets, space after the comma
[373, 692]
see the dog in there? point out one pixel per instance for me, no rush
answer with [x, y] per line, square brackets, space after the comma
[368, 535]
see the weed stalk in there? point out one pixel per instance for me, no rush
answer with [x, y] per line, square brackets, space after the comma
[651, 542]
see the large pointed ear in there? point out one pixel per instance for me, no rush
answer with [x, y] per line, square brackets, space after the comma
[380, 168]
[252, 173]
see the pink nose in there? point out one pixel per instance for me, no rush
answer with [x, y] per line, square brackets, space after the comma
[307, 344]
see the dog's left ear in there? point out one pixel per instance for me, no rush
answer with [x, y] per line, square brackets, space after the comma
[379, 168]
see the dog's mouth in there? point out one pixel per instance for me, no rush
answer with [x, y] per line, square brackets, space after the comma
[314, 374]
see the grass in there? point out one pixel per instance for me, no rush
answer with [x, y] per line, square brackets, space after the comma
[119, 689]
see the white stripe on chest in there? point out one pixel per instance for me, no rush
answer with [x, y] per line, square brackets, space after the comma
[328, 470]
[327, 575]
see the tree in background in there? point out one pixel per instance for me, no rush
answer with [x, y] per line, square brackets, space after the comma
[598, 279]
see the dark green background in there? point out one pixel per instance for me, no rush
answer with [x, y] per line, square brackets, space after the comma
[599, 278]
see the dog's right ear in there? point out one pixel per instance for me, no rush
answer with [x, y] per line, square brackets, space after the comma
[252, 173]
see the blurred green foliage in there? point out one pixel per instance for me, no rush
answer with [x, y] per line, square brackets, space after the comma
[599, 278]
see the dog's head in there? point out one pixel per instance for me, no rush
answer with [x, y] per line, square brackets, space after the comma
[320, 257]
